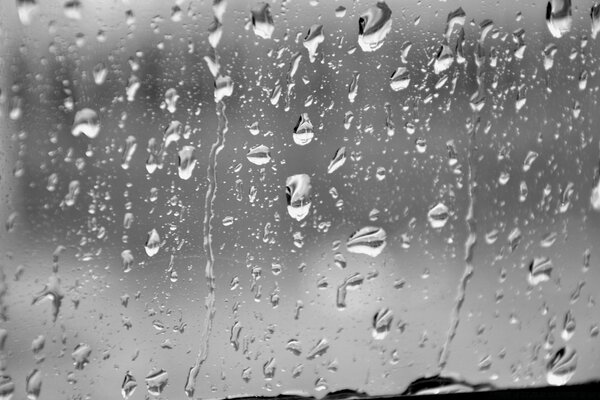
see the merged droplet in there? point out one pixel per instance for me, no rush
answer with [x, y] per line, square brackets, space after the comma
[559, 17]
[595, 14]
[87, 122]
[373, 26]
[312, 40]
[561, 367]
[369, 240]
[443, 59]
[297, 189]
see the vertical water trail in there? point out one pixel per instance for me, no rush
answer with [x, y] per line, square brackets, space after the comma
[470, 220]
[209, 200]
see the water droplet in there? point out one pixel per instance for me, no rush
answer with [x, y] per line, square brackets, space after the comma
[7, 387]
[353, 87]
[400, 79]
[223, 87]
[187, 162]
[382, 323]
[313, 38]
[595, 14]
[350, 283]
[33, 385]
[126, 260]
[540, 270]
[81, 355]
[338, 160]
[152, 243]
[297, 189]
[171, 98]
[87, 122]
[438, 216]
[569, 326]
[318, 349]
[259, 155]
[559, 17]
[562, 366]
[595, 197]
[99, 72]
[303, 132]
[368, 240]
[262, 21]
[373, 26]
[128, 386]
[156, 382]
[128, 151]
[294, 346]
[269, 369]
[443, 59]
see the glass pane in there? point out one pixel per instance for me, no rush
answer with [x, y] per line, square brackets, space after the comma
[254, 198]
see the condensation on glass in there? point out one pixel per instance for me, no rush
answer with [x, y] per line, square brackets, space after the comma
[211, 199]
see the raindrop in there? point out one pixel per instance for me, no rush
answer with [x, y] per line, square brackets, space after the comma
[156, 382]
[81, 355]
[259, 155]
[152, 243]
[562, 366]
[128, 386]
[303, 132]
[373, 26]
[187, 162]
[368, 240]
[311, 42]
[262, 21]
[86, 121]
[297, 189]
[438, 216]
[382, 323]
[559, 17]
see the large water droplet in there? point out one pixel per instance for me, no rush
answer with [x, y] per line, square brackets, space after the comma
[81, 355]
[128, 386]
[540, 270]
[369, 240]
[262, 21]
[373, 26]
[156, 382]
[303, 132]
[400, 79]
[438, 216]
[152, 243]
[559, 17]
[87, 122]
[259, 155]
[33, 384]
[298, 196]
[562, 366]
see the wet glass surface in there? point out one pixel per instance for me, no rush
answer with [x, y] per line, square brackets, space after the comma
[253, 198]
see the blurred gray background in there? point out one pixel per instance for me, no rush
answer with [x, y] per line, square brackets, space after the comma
[504, 322]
